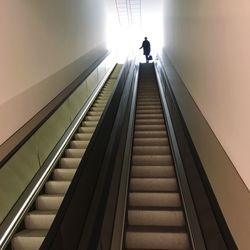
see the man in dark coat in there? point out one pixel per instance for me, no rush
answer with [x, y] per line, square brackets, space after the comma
[146, 48]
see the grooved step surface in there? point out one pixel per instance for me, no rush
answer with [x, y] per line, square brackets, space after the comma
[49, 202]
[153, 184]
[74, 153]
[83, 136]
[154, 199]
[153, 172]
[151, 150]
[56, 187]
[157, 240]
[28, 239]
[38, 220]
[156, 218]
[150, 134]
[69, 162]
[78, 144]
[152, 160]
[63, 174]
[150, 142]
[153, 127]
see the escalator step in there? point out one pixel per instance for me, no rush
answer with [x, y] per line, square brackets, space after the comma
[153, 172]
[74, 153]
[92, 118]
[56, 187]
[150, 127]
[153, 217]
[152, 160]
[86, 129]
[150, 142]
[28, 239]
[156, 240]
[153, 184]
[63, 174]
[37, 220]
[48, 202]
[151, 150]
[154, 199]
[149, 121]
[69, 162]
[83, 136]
[78, 144]
[150, 134]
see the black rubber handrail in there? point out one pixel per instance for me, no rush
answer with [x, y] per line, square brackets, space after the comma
[46, 112]
[214, 228]
[80, 216]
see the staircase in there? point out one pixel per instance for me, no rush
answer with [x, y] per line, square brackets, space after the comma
[38, 221]
[155, 217]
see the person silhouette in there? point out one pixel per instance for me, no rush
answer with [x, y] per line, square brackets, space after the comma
[146, 48]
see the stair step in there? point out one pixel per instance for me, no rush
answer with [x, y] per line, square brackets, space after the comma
[39, 219]
[148, 102]
[155, 218]
[98, 105]
[86, 129]
[154, 199]
[63, 174]
[150, 134]
[152, 160]
[153, 184]
[92, 117]
[78, 144]
[90, 123]
[49, 202]
[74, 153]
[156, 240]
[148, 107]
[152, 171]
[150, 127]
[69, 162]
[95, 113]
[83, 136]
[151, 142]
[149, 116]
[149, 111]
[151, 150]
[56, 187]
[149, 121]
[96, 109]
[28, 239]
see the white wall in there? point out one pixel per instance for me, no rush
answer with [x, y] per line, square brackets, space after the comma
[208, 43]
[38, 40]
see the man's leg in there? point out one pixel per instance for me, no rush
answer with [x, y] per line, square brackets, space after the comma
[146, 58]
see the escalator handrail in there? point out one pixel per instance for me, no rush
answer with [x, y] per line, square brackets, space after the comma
[214, 228]
[12, 221]
[196, 236]
[74, 213]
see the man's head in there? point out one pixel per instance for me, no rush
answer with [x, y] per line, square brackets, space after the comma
[145, 38]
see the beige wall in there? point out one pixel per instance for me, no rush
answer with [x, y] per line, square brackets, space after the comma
[208, 42]
[44, 45]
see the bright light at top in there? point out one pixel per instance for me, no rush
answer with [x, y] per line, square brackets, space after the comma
[122, 39]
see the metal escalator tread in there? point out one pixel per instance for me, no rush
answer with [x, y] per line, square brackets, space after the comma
[155, 217]
[38, 221]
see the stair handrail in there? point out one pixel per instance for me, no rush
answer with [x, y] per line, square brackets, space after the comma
[12, 221]
[81, 213]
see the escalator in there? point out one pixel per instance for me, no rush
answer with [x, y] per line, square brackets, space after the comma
[135, 194]
[38, 221]
[155, 215]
